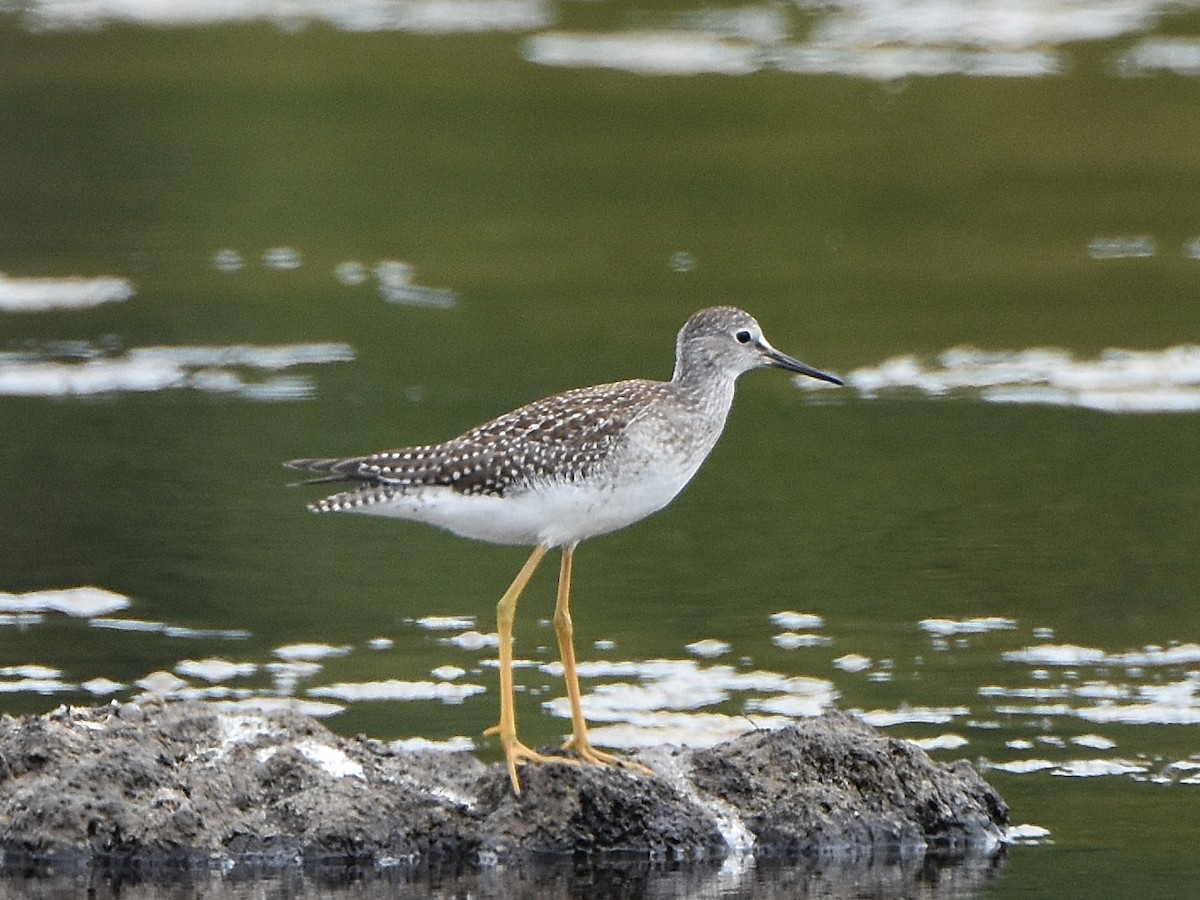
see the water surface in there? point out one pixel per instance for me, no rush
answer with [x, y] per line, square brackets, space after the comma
[236, 240]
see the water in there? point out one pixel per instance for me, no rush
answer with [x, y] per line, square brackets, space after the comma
[227, 243]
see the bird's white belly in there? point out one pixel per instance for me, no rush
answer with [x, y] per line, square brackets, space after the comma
[553, 513]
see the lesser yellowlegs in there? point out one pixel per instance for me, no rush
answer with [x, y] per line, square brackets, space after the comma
[561, 470]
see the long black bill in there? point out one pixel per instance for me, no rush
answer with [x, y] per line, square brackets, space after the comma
[783, 361]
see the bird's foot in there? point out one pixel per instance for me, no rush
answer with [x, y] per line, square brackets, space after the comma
[584, 750]
[515, 752]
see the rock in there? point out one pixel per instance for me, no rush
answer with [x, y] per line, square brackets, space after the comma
[188, 783]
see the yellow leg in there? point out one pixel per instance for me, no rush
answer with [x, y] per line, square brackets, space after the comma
[578, 741]
[514, 750]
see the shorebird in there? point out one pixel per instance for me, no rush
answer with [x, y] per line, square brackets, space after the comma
[559, 471]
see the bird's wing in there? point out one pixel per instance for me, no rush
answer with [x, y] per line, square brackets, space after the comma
[567, 433]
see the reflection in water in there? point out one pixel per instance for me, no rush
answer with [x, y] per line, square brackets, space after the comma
[83, 369]
[419, 16]
[688, 701]
[881, 874]
[42, 294]
[1118, 381]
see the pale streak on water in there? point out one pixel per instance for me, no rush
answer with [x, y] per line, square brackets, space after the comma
[698, 702]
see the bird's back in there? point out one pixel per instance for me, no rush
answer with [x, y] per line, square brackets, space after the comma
[567, 437]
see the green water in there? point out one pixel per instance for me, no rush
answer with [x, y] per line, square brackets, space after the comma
[857, 220]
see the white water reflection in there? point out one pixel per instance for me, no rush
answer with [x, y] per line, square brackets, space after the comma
[81, 602]
[42, 294]
[173, 631]
[397, 690]
[419, 16]
[215, 669]
[95, 370]
[309, 652]
[697, 702]
[977, 625]
[1117, 381]
[882, 40]
[1179, 55]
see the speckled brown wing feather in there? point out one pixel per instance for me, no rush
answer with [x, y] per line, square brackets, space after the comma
[562, 437]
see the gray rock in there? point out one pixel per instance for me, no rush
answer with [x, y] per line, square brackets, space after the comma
[190, 783]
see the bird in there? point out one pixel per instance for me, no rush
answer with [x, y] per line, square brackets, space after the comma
[559, 471]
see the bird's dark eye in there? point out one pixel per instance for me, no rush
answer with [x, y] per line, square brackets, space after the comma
[743, 336]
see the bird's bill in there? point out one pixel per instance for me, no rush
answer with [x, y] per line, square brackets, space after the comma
[783, 361]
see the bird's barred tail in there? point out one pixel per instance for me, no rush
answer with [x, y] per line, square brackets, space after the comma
[328, 470]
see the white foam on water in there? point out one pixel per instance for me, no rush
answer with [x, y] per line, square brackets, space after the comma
[1093, 741]
[227, 261]
[1026, 834]
[473, 640]
[417, 16]
[1022, 766]
[882, 40]
[796, 621]
[852, 662]
[270, 357]
[680, 729]
[1040, 694]
[674, 687]
[1056, 655]
[24, 295]
[1117, 381]
[645, 52]
[21, 620]
[890, 63]
[846, 42]
[173, 631]
[30, 670]
[396, 690]
[281, 258]
[101, 687]
[351, 273]
[615, 702]
[127, 624]
[448, 673]
[1140, 714]
[151, 369]
[1137, 246]
[1074, 655]
[688, 671]
[995, 24]
[315, 708]
[947, 741]
[445, 623]
[1179, 55]
[310, 652]
[287, 676]
[789, 640]
[160, 682]
[912, 715]
[708, 648]
[1098, 768]
[396, 285]
[794, 705]
[43, 686]
[80, 602]
[1177, 655]
[980, 625]
[214, 669]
